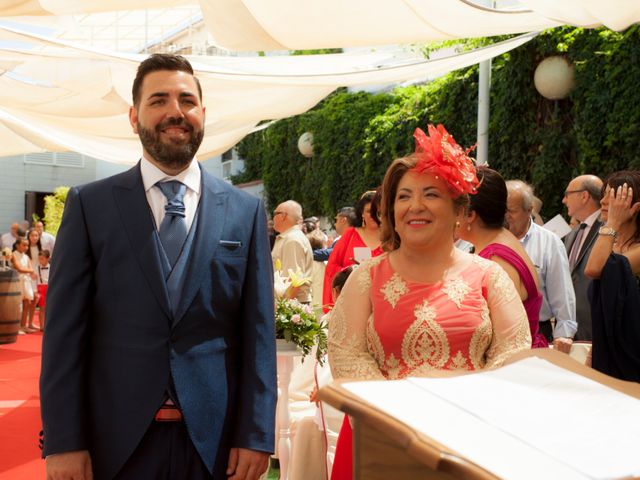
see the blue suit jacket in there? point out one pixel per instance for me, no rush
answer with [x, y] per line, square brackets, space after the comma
[112, 341]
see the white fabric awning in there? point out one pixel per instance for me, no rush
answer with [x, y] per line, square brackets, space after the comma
[304, 24]
[58, 96]
[295, 24]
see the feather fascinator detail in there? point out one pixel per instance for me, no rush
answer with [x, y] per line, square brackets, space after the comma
[439, 154]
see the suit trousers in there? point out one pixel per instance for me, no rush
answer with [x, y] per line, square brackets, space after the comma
[165, 453]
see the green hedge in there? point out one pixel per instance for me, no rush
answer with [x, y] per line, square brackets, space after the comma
[356, 135]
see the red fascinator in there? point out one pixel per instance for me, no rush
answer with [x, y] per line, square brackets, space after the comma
[438, 153]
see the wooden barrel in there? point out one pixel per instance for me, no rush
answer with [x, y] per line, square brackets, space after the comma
[10, 304]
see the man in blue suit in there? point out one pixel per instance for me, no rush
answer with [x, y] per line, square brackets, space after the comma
[159, 356]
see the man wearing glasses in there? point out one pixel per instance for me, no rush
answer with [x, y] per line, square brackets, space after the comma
[292, 247]
[582, 199]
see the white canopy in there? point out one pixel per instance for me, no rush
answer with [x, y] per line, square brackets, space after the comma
[57, 96]
[295, 24]
[302, 24]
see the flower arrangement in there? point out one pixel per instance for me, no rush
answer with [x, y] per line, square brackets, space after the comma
[296, 322]
[6, 253]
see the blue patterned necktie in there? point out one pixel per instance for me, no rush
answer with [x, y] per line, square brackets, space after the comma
[173, 229]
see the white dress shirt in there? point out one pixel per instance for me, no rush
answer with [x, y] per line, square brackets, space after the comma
[47, 241]
[157, 201]
[549, 255]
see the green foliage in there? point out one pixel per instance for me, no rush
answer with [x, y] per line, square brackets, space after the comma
[297, 323]
[544, 142]
[53, 208]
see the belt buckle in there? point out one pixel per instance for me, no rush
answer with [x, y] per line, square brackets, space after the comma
[168, 413]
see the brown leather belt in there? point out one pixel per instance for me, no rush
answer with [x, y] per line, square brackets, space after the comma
[168, 412]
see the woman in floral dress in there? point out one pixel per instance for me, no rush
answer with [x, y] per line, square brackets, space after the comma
[423, 305]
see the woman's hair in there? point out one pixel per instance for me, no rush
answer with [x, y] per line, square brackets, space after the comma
[340, 278]
[18, 241]
[398, 168]
[366, 198]
[316, 239]
[38, 243]
[490, 203]
[632, 179]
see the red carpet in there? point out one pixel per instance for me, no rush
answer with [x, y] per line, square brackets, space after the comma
[20, 409]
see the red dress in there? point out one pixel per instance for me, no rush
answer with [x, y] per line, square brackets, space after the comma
[386, 327]
[341, 257]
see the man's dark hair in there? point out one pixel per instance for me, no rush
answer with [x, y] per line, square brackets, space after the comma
[161, 62]
[349, 213]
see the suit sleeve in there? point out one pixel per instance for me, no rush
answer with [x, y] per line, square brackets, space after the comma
[258, 385]
[63, 389]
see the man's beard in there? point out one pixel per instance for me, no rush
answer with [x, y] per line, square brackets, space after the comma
[175, 154]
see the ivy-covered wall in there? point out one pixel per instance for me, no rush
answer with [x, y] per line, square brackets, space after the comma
[356, 135]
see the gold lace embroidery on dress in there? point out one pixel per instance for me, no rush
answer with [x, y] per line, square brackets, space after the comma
[459, 362]
[480, 340]
[503, 285]
[348, 353]
[394, 289]
[392, 367]
[374, 344]
[364, 271]
[456, 289]
[425, 341]
[483, 263]
[519, 338]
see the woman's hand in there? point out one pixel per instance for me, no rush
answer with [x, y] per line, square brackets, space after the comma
[620, 208]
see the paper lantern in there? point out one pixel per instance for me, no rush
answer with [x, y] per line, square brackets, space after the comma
[554, 78]
[305, 144]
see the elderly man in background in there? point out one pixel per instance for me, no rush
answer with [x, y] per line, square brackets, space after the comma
[550, 258]
[582, 199]
[345, 218]
[9, 238]
[292, 248]
[47, 240]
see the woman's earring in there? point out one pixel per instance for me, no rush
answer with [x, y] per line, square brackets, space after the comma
[457, 224]
[468, 227]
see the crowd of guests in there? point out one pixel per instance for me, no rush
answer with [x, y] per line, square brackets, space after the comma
[416, 303]
[28, 250]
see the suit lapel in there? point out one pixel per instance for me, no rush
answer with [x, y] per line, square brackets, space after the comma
[138, 224]
[571, 237]
[586, 245]
[211, 218]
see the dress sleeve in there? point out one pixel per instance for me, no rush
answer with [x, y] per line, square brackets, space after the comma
[348, 353]
[509, 322]
[334, 265]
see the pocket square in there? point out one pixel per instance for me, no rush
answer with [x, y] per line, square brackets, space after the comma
[230, 244]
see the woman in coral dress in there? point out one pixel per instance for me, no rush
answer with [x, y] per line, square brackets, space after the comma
[424, 305]
[484, 228]
[365, 236]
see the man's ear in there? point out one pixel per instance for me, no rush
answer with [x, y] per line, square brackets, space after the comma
[133, 118]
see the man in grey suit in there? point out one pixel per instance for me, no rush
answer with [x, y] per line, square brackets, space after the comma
[582, 199]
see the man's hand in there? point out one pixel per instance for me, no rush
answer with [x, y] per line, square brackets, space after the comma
[245, 464]
[69, 466]
[563, 344]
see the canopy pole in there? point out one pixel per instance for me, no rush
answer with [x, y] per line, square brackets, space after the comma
[484, 94]
[484, 91]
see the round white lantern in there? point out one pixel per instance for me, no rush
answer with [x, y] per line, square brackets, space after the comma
[305, 144]
[554, 78]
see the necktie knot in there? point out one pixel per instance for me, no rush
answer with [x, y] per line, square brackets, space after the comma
[174, 191]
